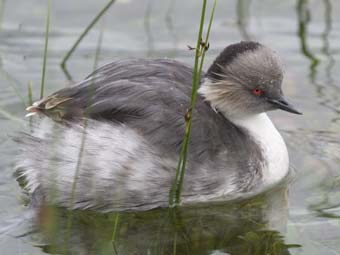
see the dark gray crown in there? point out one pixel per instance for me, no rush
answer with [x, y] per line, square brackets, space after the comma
[228, 55]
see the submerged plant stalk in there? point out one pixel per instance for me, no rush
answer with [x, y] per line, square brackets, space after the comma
[42, 88]
[114, 233]
[201, 48]
[303, 21]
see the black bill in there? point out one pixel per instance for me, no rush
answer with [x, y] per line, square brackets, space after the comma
[282, 104]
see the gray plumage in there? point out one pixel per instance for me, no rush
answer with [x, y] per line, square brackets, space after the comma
[135, 112]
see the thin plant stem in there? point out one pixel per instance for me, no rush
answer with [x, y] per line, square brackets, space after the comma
[147, 28]
[2, 10]
[114, 233]
[30, 100]
[42, 88]
[10, 116]
[207, 36]
[84, 33]
[200, 54]
[14, 84]
[172, 197]
[242, 10]
[201, 47]
[82, 145]
[98, 49]
[174, 248]
[74, 184]
[183, 156]
[30, 94]
[170, 25]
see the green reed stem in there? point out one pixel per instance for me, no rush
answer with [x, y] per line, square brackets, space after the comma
[9, 116]
[114, 233]
[30, 100]
[42, 88]
[83, 140]
[201, 48]
[84, 33]
[14, 84]
[30, 94]
[74, 184]
[207, 37]
[174, 248]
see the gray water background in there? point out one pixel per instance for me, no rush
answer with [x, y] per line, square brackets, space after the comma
[305, 33]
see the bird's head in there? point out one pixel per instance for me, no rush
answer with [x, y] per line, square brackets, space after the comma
[245, 79]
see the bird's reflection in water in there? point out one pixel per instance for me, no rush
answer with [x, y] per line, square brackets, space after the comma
[247, 227]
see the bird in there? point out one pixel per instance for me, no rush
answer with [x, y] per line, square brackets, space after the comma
[112, 142]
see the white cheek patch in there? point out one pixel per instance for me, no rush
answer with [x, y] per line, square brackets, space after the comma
[228, 98]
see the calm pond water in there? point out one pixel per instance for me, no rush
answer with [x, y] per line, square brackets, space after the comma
[305, 220]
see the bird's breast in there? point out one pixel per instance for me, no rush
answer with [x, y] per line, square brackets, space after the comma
[273, 146]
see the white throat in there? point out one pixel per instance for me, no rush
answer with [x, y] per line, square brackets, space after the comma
[272, 143]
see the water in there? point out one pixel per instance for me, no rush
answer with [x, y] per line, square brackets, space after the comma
[304, 220]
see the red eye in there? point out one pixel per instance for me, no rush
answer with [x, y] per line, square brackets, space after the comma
[257, 92]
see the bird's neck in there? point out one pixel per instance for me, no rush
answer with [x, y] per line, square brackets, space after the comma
[273, 146]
